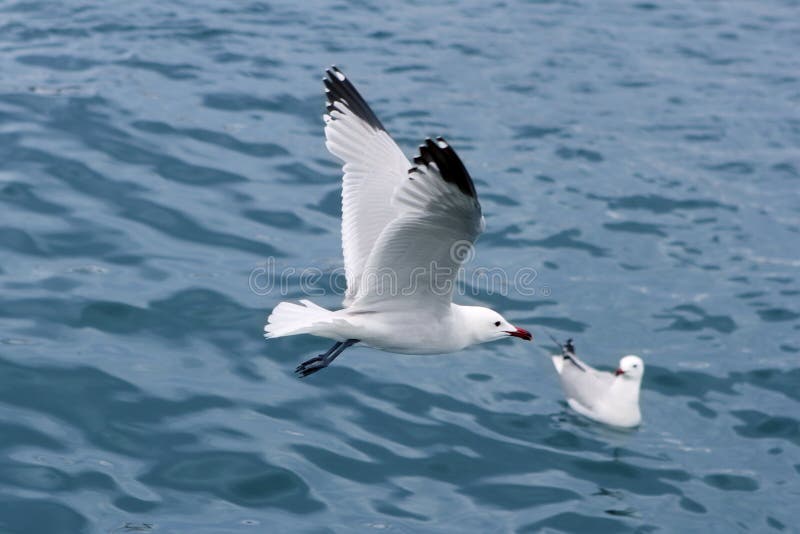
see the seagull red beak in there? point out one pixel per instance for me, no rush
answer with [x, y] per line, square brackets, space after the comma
[520, 333]
[619, 372]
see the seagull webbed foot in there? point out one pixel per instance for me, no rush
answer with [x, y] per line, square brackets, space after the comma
[309, 367]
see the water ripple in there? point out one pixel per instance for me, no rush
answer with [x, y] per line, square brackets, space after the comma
[643, 162]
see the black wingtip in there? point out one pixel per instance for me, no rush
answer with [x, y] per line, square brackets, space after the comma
[338, 89]
[449, 164]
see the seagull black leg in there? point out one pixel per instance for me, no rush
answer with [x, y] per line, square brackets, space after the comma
[322, 361]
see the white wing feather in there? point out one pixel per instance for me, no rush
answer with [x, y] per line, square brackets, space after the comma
[373, 167]
[422, 249]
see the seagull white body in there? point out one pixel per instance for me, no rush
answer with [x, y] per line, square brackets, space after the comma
[404, 230]
[610, 398]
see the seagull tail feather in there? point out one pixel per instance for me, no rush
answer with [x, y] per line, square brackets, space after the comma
[289, 319]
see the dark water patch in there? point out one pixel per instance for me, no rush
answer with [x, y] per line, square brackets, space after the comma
[28, 515]
[308, 109]
[734, 167]
[565, 440]
[399, 69]
[575, 522]
[702, 410]
[786, 168]
[19, 241]
[244, 479]
[776, 315]
[634, 84]
[230, 57]
[517, 496]
[18, 435]
[534, 132]
[705, 220]
[702, 137]
[177, 224]
[61, 62]
[86, 398]
[686, 248]
[750, 295]
[671, 382]
[60, 244]
[690, 317]
[174, 71]
[758, 425]
[299, 173]
[183, 316]
[198, 32]
[706, 57]
[23, 195]
[98, 243]
[515, 396]
[392, 510]
[410, 114]
[467, 50]
[330, 204]
[634, 227]
[774, 523]
[780, 279]
[659, 204]
[695, 132]
[380, 35]
[479, 377]
[87, 119]
[36, 477]
[565, 239]
[628, 512]
[618, 474]
[74, 173]
[690, 505]
[285, 220]
[502, 200]
[174, 169]
[728, 482]
[133, 505]
[631, 267]
[259, 150]
[579, 153]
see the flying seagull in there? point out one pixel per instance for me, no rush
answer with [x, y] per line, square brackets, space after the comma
[609, 398]
[406, 228]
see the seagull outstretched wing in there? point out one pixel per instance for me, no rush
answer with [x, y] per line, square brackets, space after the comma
[417, 256]
[373, 167]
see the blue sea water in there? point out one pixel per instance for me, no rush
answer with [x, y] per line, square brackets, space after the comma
[641, 157]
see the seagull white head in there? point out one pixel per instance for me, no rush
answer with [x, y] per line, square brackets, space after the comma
[630, 368]
[488, 325]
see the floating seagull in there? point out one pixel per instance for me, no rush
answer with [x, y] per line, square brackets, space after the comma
[609, 398]
[406, 229]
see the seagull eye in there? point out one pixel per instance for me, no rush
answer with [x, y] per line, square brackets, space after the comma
[497, 323]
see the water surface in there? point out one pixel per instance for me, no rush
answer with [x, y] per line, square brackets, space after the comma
[642, 157]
